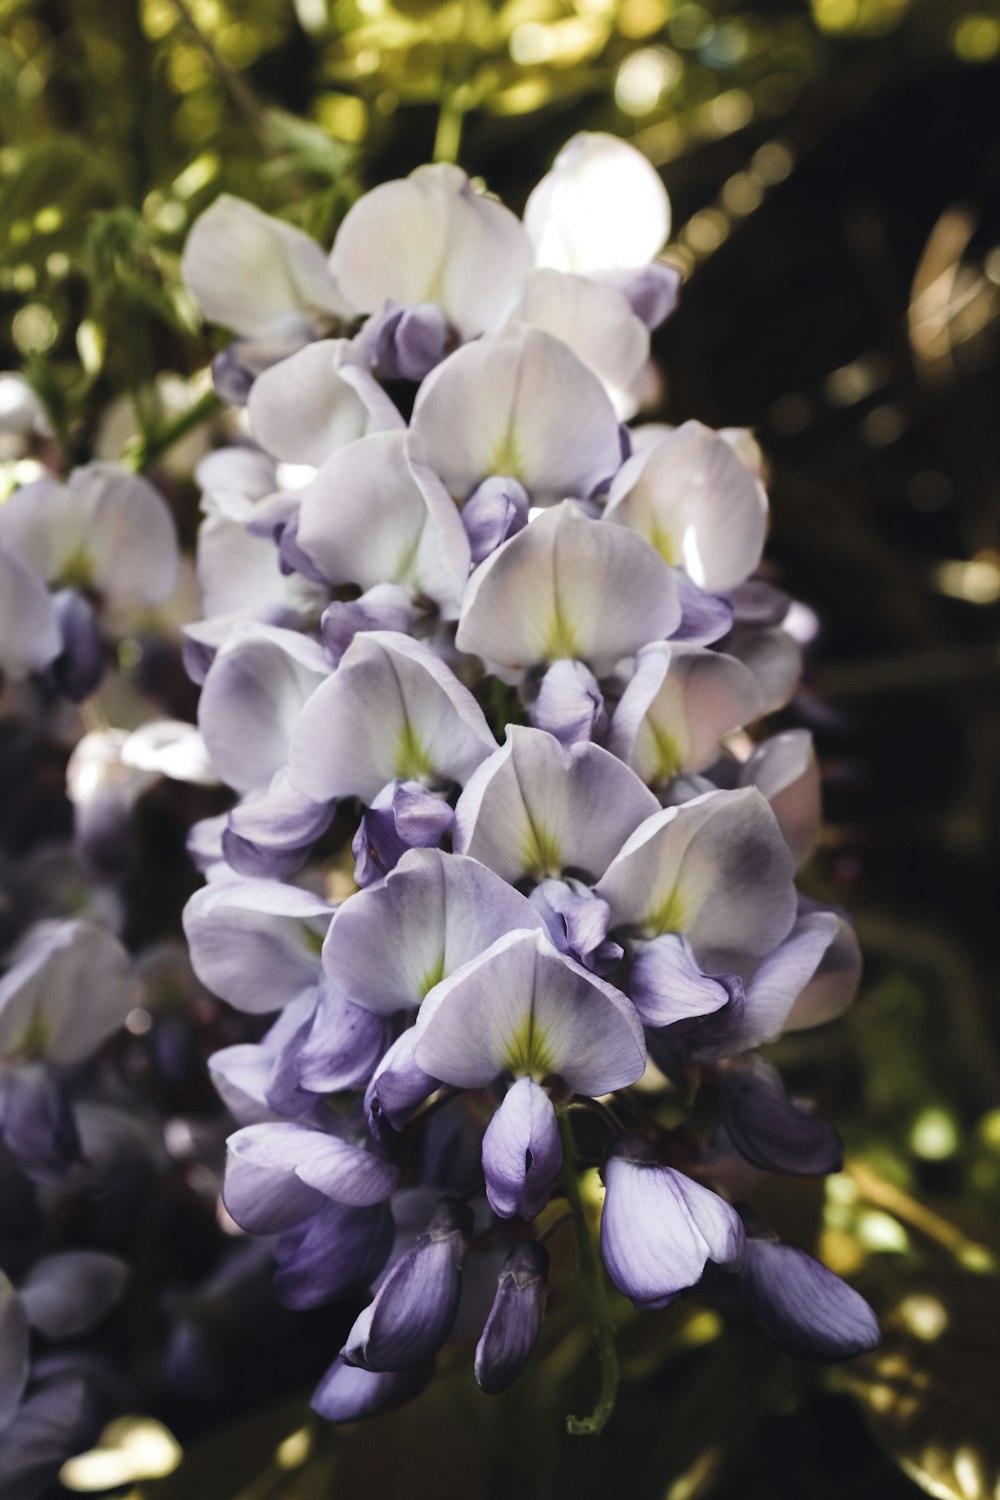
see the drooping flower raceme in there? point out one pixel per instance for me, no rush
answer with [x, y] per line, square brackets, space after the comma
[498, 655]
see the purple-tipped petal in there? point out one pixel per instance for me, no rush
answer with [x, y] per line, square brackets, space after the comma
[577, 922]
[705, 618]
[398, 1085]
[269, 834]
[659, 1228]
[498, 509]
[767, 1129]
[387, 606]
[404, 815]
[667, 986]
[79, 667]
[522, 1152]
[800, 1304]
[570, 704]
[407, 342]
[415, 1307]
[653, 291]
[515, 1318]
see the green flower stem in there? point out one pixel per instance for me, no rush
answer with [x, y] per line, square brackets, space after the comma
[593, 1278]
[448, 136]
[148, 450]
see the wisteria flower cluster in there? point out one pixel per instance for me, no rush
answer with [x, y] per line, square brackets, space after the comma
[502, 868]
[443, 536]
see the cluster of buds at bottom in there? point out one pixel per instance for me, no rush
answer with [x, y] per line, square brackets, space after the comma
[511, 659]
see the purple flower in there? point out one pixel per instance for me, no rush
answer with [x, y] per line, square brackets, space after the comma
[515, 1318]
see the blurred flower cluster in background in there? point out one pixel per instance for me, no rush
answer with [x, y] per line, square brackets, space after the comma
[834, 173]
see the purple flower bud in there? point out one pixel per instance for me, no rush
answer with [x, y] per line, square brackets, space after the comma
[338, 1249]
[522, 1153]
[570, 704]
[404, 815]
[349, 1394]
[767, 1129]
[515, 1317]
[493, 512]
[577, 922]
[659, 1228]
[408, 341]
[387, 606]
[802, 1306]
[36, 1121]
[79, 667]
[414, 1309]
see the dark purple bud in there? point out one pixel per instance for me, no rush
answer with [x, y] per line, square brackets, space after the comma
[343, 1047]
[339, 1249]
[404, 815]
[269, 834]
[667, 986]
[54, 1421]
[803, 1307]
[653, 291]
[409, 341]
[387, 606]
[36, 1121]
[767, 1129]
[79, 667]
[570, 704]
[522, 1152]
[398, 1086]
[452, 1158]
[349, 1394]
[659, 1228]
[577, 921]
[515, 1318]
[414, 1309]
[705, 618]
[498, 509]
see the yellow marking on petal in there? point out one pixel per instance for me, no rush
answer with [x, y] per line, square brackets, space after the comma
[34, 1040]
[413, 761]
[664, 543]
[669, 916]
[77, 572]
[527, 1054]
[433, 975]
[560, 639]
[666, 753]
[542, 854]
[507, 460]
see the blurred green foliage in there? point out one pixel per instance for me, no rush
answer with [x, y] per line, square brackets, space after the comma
[120, 121]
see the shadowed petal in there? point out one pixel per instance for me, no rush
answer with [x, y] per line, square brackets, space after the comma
[807, 1310]
[515, 1318]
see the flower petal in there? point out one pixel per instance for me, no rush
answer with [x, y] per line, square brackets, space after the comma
[807, 1310]
[522, 1152]
[520, 405]
[716, 869]
[392, 710]
[535, 808]
[307, 406]
[602, 207]
[695, 500]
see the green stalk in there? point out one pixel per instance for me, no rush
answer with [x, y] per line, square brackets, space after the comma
[597, 1297]
[148, 450]
[448, 136]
